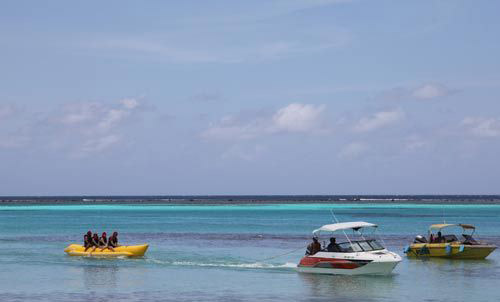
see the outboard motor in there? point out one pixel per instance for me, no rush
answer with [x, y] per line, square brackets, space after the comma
[420, 239]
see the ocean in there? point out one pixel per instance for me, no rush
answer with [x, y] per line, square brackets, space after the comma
[233, 248]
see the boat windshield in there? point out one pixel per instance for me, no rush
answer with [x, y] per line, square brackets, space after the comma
[360, 246]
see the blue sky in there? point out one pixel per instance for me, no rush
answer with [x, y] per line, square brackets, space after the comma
[249, 97]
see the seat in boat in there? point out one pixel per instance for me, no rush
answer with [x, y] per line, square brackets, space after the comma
[450, 238]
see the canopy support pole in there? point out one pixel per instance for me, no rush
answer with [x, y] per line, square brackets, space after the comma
[343, 231]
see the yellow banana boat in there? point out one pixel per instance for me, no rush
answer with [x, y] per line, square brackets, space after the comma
[123, 251]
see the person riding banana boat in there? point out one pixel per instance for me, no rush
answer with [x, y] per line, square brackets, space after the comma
[449, 245]
[102, 246]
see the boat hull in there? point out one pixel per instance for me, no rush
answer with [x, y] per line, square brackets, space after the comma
[450, 250]
[121, 251]
[377, 268]
[349, 264]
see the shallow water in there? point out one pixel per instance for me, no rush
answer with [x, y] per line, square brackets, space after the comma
[213, 253]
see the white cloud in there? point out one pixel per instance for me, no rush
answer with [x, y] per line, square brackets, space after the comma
[129, 103]
[98, 144]
[113, 117]
[353, 150]
[79, 113]
[482, 127]
[97, 116]
[378, 120]
[430, 91]
[299, 118]
[237, 128]
[424, 92]
[93, 127]
[77, 129]
[293, 118]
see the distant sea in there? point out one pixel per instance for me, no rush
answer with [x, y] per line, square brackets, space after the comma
[254, 199]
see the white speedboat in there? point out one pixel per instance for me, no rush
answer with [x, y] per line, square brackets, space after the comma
[352, 257]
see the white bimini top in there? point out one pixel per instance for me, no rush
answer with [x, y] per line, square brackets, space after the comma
[344, 226]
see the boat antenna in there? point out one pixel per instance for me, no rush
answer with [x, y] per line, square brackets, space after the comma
[334, 217]
[343, 231]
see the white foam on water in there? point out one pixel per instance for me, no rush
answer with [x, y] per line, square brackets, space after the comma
[290, 265]
[255, 265]
[236, 265]
[156, 261]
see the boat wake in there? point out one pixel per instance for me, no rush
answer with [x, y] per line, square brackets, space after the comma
[254, 265]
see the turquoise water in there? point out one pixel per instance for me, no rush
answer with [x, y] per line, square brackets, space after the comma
[213, 253]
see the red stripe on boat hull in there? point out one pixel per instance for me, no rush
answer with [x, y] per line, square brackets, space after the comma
[331, 263]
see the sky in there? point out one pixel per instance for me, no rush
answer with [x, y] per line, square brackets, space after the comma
[249, 97]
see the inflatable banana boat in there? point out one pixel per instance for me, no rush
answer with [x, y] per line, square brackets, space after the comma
[121, 251]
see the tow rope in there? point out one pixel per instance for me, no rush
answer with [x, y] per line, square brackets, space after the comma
[281, 255]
